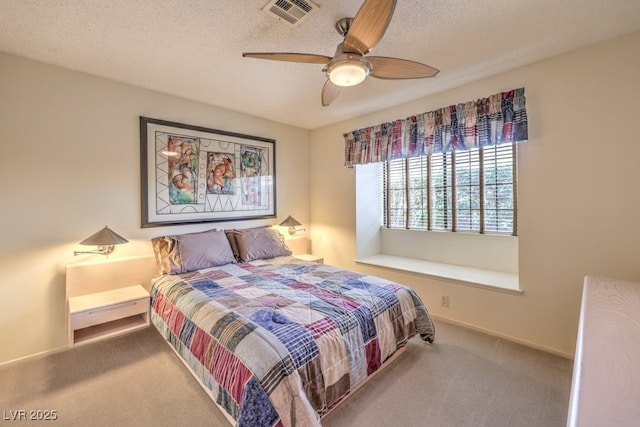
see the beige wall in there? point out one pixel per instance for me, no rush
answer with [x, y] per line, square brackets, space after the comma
[70, 165]
[578, 193]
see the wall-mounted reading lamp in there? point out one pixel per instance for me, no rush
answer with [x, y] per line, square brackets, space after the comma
[105, 239]
[292, 223]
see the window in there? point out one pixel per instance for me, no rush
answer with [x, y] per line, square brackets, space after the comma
[472, 191]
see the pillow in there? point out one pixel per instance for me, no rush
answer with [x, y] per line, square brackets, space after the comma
[165, 249]
[183, 253]
[231, 235]
[259, 243]
[204, 250]
[232, 242]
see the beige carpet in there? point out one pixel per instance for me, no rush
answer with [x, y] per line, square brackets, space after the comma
[465, 379]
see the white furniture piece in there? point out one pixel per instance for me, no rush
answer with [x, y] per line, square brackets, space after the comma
[298, 245]
[107, 297]
[310, 257]
[300, 248]
[103, 314]
[605, 390]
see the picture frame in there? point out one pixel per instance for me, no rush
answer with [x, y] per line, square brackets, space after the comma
[194, 174]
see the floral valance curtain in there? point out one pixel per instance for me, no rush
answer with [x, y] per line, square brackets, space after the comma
[498, 119]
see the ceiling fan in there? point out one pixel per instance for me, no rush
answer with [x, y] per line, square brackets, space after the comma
[349, 66]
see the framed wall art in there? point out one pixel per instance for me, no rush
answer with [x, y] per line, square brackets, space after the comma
[194, 174]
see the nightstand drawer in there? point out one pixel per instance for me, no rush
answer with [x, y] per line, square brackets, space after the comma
[98, 315]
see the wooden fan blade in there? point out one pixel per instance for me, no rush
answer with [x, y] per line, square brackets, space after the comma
[307, 58]
[396, 68]
[330, 92]
[368, 26]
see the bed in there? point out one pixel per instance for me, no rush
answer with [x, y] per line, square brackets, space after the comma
[273, 339]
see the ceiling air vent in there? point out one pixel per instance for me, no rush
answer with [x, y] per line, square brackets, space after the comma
[293, 12]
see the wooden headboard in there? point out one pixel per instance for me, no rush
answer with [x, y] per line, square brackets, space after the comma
[97, 276]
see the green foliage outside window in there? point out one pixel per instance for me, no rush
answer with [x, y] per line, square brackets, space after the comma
[473, 191]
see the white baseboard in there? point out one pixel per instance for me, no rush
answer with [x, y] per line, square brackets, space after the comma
[503, 336]
[32, 357]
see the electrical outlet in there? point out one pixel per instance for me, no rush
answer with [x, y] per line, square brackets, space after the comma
[444, 300]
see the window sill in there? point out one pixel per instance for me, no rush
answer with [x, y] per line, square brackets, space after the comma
[486, 279]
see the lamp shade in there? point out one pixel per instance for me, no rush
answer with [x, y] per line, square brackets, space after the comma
[290, 222]
[104, 237]
[348, 70]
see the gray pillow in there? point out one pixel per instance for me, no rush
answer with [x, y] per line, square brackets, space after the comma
[182, 253]
[231, 235]
[260, 243]
[204, 250]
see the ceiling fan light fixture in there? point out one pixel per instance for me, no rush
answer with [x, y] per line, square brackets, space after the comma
[349, 66]
[349, 72]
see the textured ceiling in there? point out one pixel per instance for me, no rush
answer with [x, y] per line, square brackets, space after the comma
[193, 48]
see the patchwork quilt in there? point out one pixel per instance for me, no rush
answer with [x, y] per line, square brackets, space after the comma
[280, 342]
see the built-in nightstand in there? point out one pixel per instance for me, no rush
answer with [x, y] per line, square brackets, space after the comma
[103, 314]
[310, 258]
[298, 244]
